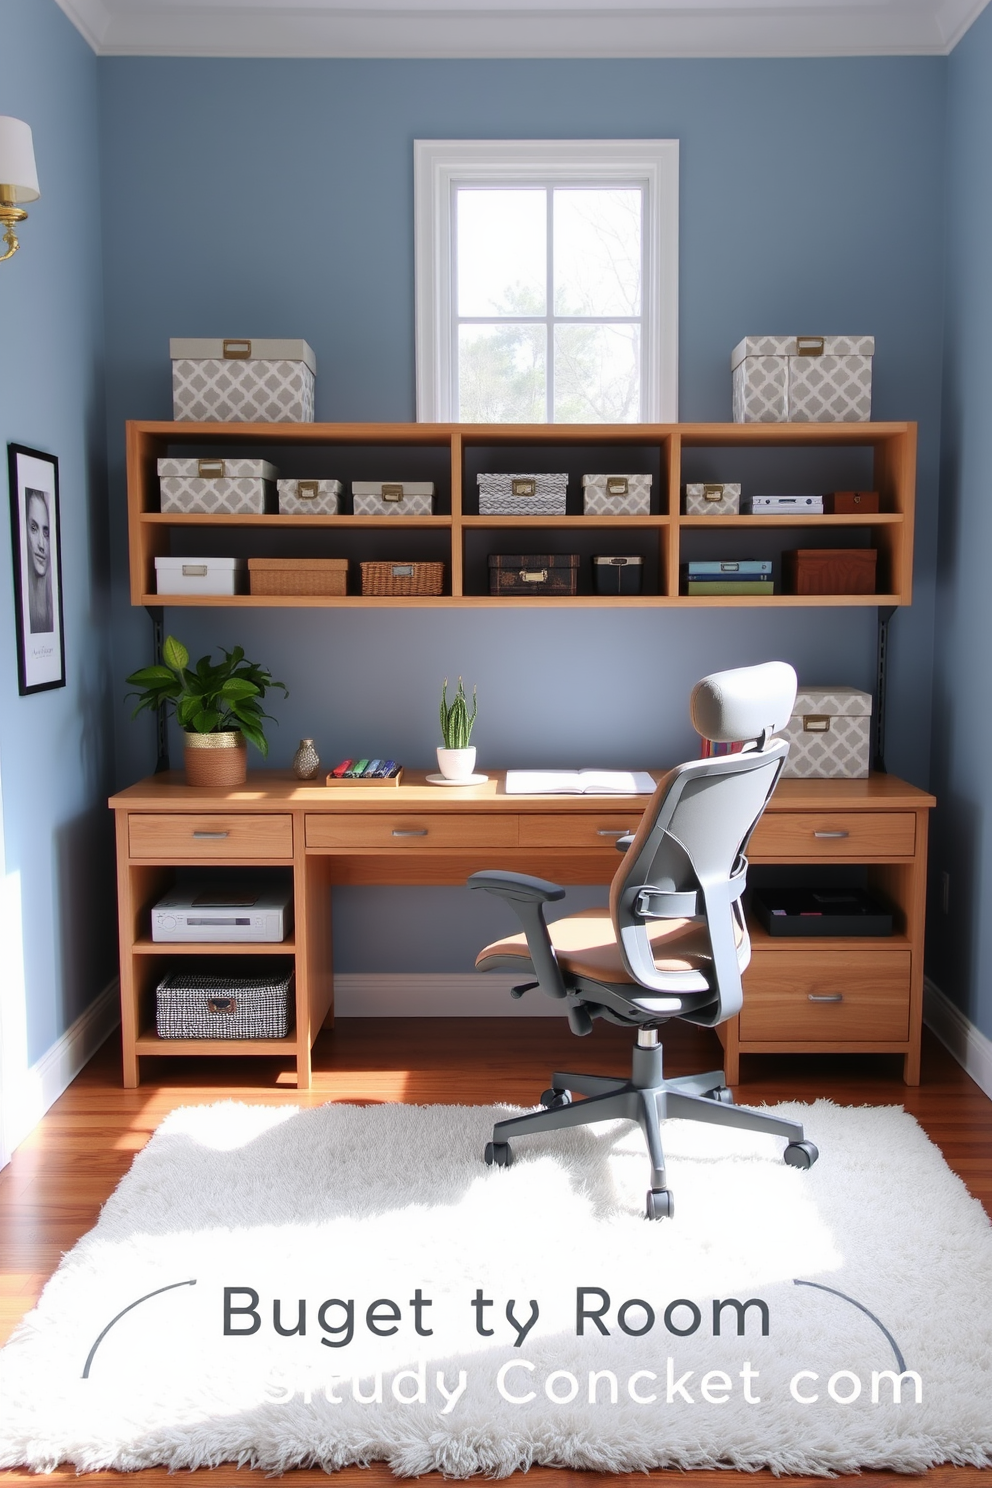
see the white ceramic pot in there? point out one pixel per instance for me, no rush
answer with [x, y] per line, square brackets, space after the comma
[456, 764]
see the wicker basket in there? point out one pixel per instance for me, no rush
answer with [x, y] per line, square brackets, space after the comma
[402, 578]
[298, 575]
[246, 1005]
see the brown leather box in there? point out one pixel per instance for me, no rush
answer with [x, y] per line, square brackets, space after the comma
[533, 573]
[846, 502]
[830, 570]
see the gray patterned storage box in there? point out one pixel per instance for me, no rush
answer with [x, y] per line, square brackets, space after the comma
[309, 498]
[236, 381]
[802, 379]
[719, 499]
[392, 498]
[522, 494]
[193, 1004]
[829, 734]
[616, 495]
[210, 486]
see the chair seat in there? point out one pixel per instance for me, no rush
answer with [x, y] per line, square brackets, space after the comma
[585, 946]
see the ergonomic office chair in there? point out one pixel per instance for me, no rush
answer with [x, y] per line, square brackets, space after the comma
[672, 943]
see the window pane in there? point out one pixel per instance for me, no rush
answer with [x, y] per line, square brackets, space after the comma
[501, 252]
[501, 374]
[597, 252]
[597, 374]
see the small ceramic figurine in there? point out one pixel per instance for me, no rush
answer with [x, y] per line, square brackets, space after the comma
[306, 760]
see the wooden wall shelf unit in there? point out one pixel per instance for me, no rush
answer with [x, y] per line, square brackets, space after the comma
[800, 996]
[807, 457]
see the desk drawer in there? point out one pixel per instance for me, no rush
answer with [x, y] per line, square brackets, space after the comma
[402, 830]
[815, 836]
[567, 829]
[868, 994]
[209, 837]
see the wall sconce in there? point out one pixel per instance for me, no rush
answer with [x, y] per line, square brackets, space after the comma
[18, 177]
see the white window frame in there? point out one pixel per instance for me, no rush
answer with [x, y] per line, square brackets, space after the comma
[442, 165]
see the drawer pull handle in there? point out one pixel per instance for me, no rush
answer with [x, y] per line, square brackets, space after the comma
[831, 834]
[825, 996]
[410, 832]
[611, 831]
[211, 836]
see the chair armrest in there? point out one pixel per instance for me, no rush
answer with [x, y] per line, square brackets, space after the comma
[519, 886]
[528, 896]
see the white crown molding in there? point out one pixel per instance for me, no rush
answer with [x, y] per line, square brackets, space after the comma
[559, 28]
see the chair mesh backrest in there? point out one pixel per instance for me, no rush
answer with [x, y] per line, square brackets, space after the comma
[694, 832]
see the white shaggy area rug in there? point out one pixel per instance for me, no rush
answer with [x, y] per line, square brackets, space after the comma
[283, 1287]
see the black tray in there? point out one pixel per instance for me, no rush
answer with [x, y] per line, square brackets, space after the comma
[826, 911]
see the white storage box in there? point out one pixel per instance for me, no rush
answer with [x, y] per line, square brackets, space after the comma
[309, 498]
[721, 499]
[239, 381]
[201, 576]
[522, 495]
[616, 495]
[216, 486]
[829, 734]
[392, 498]
[802, 379]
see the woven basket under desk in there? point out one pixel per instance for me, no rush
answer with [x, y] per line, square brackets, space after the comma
[403, 578]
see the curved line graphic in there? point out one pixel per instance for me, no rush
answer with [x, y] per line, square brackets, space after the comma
[158, 1290]
[861, 1308]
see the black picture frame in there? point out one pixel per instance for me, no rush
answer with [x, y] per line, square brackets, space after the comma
[36, 549]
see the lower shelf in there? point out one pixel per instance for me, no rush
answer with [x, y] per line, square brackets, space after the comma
[150, 1043]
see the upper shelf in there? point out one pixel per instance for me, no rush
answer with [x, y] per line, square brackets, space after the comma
[452, 454]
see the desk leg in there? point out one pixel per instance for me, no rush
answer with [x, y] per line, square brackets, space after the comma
[729, 1034]
[314, 976]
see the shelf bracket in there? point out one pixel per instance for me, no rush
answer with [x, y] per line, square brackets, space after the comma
[885, 613]
[156, 614]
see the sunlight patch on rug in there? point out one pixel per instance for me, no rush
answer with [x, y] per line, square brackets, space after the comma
[287, 1287]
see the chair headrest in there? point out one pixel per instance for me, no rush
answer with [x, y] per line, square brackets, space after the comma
[744, 703]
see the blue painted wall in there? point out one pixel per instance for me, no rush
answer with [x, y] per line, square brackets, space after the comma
[268, 198]
[961, 940]
[55, 747]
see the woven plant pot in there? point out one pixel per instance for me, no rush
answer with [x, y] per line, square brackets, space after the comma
[219, 761]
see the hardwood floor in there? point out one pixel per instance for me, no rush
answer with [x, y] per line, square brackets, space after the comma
[51, 1192]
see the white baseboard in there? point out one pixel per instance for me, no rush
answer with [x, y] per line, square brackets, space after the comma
[38, 1088]
[970, 1047]
[445, 994]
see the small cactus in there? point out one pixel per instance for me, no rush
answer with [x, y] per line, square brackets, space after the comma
[456, 721]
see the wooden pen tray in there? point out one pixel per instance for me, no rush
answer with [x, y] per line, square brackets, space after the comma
[396, 779]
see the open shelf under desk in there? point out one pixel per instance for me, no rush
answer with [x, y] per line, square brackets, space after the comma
[820, 945]
[150, 1043]
[144, 946]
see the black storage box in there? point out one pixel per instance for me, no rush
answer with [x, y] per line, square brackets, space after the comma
[533, 573]
[831, 911]
[618, 575]
[245, 1004]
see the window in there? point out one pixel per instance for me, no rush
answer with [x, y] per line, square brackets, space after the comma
[547, 280]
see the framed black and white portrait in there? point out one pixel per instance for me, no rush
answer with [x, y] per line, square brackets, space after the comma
[37, 551]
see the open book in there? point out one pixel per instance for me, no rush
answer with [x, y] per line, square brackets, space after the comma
[579, 783]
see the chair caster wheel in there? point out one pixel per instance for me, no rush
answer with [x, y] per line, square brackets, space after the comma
[722, 1094]
[801, 1154]
[661, 1204]
[553, 1100]
[498, 1154]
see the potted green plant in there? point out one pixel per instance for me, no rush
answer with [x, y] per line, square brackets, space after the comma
[456, 758]
[217, 704]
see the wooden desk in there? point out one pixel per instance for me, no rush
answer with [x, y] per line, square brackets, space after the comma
[421, 834]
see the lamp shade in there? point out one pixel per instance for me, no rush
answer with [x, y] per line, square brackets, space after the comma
[18, 173]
